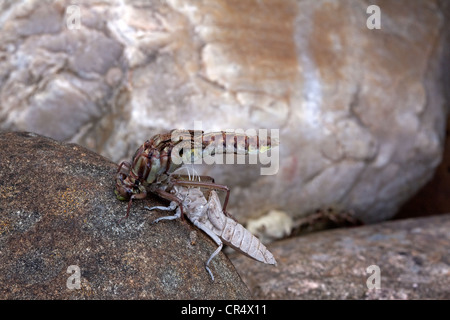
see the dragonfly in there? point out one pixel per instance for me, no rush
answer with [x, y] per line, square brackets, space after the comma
[151, 167]
[207, 214]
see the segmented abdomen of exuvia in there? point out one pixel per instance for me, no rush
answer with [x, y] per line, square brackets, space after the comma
[234, 234]
[242, 240]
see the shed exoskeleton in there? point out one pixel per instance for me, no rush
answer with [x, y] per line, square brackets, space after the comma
[208, 216]
[153, 163]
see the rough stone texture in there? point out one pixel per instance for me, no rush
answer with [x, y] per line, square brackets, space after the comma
[361, 112]
[433, 198]
[413, 256]
[58, 208]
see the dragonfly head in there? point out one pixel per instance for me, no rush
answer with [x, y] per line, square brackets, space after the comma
[126, 187]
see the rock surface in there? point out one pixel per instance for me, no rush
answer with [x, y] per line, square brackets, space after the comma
[361, 112]
[58, 209]
[433, 197]
[413, 256]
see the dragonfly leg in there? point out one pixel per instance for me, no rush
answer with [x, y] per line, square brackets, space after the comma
[125, 164]
[134, 196]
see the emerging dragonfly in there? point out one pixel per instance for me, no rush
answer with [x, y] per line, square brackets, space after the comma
[208, 215]
[153, 163]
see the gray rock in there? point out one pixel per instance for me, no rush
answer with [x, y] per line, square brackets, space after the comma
[413, 256]
[58, 209]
